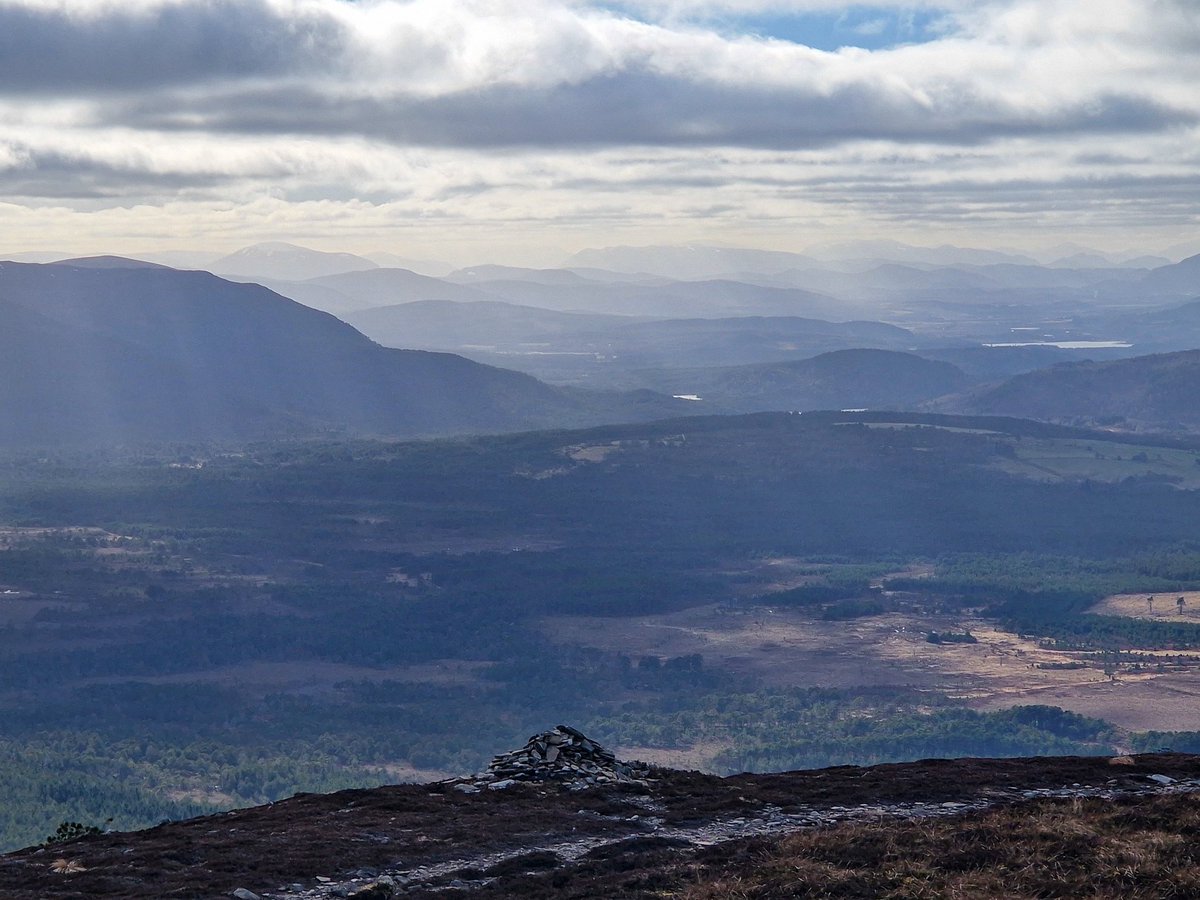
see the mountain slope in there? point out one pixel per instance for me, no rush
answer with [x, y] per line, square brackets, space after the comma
[874, 379]
[451, 325]
[688, 261]
[1175, 327]
[62, 383]
[714, 298]
[997, 363]
[1182, 277]
[591, 348]
[384, 287]
[1055, 826]
[279, 260]
[1158, 390]
[145, 340]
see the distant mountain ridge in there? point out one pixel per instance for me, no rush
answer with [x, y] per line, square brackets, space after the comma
[592, 348]
[866, 379]
[1157, 391]
[1180, 277]
[149, 353]
[279, 260]
[689, 262]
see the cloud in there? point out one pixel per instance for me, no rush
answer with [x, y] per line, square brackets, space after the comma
[499, 111]
[61, 176]
[871, 27]
[494, 73]
[633, 108]
[676, 10]
[90, 48]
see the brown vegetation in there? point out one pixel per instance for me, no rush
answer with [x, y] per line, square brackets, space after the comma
[1140, 845]
[1134, 848]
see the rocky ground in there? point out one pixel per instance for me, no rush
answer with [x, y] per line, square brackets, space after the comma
[630, 832]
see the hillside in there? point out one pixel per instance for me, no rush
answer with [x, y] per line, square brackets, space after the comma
[1169, 328]
[279, 260]
[1182, 277]
[456, 325]
[986, 829]
[59, 382]
[149, 353]
[854, 379]
[1157, 391]
[385, 287]
[713, 298]
[997, 363]
[590, 348]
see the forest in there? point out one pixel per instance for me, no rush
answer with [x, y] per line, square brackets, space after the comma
[186, 628]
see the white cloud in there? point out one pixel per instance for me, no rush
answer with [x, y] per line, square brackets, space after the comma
[507, 113]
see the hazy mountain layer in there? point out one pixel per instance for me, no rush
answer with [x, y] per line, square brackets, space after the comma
[1158, 391]
[279, 260]
[597, 349]
[854, 379]
[135, 353]
[450, 325]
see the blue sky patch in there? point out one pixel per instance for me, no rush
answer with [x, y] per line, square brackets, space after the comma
[868, 27]
[872, 28]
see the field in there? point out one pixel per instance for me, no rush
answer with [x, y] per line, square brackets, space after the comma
[1164, 607]
[788, 648]
[1095, 458]
[1098, 460]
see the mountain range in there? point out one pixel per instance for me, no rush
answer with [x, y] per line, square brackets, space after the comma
[105, 351]
[855, 379]
[594, 348]
[1157, 391]
[114, 349]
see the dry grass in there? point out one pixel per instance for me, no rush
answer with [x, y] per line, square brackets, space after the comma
[1165, 608]
[67, 867]
[1144, 848]
[783, 647]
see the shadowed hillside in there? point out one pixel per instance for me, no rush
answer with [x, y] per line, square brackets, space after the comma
[874, 379]
[111, 354]
[1156, 391]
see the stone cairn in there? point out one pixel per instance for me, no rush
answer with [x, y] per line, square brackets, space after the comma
[563, 755]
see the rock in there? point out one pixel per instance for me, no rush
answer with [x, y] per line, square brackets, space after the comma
[1161, 779]
[243, 894]
[1122, 761]
[377, 890]
[563, 754]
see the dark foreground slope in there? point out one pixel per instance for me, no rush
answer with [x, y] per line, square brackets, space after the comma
[111, 354]
[1067, 826]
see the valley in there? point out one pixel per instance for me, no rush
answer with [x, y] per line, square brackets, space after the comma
[267, 585]
[227, 626]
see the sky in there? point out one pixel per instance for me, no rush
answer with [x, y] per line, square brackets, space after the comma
[490, 130]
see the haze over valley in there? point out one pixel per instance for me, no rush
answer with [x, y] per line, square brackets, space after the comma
[95, 342]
